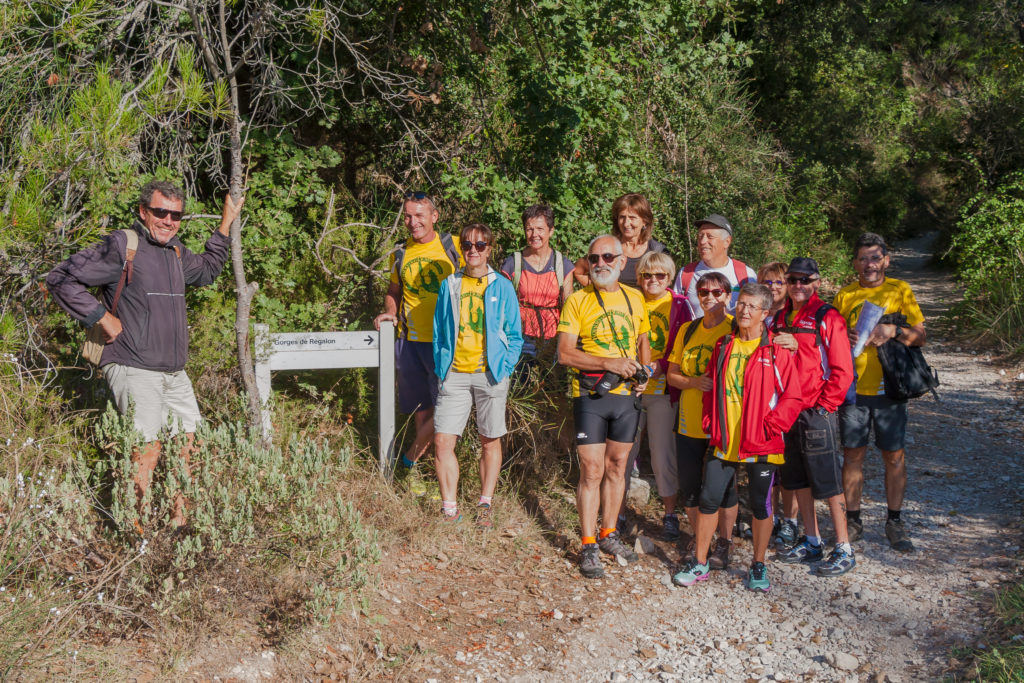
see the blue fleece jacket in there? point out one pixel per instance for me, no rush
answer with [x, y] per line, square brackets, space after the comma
[503, 328]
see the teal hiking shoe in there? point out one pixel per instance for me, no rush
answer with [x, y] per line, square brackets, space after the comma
[757, 578]
[803, 551]
[692, 573]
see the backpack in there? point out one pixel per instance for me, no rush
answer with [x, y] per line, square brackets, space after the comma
[517, 271]
[739, 268]
[906, 372]
[447, 243]
[819, 315]
[95, 340]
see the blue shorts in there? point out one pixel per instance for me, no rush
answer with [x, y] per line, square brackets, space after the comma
[417, 383]
[888, 417]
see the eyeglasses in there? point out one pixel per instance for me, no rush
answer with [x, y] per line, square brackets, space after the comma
[418, 196]
[654, 276]
[596, 258]
[774, 283]
[470, 246]
[164, 213]
[874, 258]
[803, 279]
[744, 304]
[702, 292]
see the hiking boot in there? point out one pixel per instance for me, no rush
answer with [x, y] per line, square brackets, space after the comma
[719, 557]
[757, 578]
[691, 573]
[483, 516]
[451, 519]
[898, 537]
[786, 535]
[613, 545]
[855, 528]
[670, 528]
[409, 478]
[590, 562]
[838, 563]
[690, 551]
[803, 551]
[743, 530]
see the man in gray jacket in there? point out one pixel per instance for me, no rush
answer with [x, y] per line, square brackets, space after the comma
[147, 341]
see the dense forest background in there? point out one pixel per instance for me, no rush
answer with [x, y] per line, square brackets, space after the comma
[805, 123]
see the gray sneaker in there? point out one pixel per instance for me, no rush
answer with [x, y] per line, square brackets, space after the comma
[855, 529]
[898, 537]
[590, 562]
[787, 534]
[613, 545]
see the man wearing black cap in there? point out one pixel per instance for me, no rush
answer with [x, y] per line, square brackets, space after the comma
[812, 467]
[714, 237]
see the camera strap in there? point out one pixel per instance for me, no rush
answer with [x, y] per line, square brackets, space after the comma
[611, 321]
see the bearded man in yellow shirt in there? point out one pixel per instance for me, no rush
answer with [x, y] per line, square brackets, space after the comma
[417, 269]
[872, 406]
[603, 333]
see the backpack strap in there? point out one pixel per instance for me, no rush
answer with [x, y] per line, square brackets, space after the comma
[686, 276]
[739, 269]
[691, 329]
[449, 248]
[778, 323]
[517, 269]
[128, 269]
[560, 273]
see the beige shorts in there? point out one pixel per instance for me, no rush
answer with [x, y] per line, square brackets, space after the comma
[459, 392]
[158, 398]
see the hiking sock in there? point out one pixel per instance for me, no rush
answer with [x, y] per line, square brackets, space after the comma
[894, 515]
[605, 533]
[449, 507]
[845, 547]
[588, 540]
[814, 540]
[853, 516]
[406, 462]
[485, 500]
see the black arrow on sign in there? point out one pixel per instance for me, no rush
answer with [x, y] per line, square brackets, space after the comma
[369, 340]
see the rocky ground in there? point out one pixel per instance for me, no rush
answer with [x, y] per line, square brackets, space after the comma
[450, 616]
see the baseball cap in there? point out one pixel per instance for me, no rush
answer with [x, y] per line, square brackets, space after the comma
[803, 264]
[717, 220]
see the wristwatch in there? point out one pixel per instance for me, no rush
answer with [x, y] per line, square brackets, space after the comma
[898, 333]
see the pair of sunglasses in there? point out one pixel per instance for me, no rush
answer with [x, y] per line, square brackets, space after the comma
[164, 213]
[654, 276]
[597, 258]
[470, 246]
[418, 196]
[702, 291]
[804, 280]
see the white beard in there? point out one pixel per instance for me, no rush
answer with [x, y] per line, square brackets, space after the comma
[605, 276]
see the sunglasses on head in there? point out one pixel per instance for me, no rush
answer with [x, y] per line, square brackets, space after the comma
[164, 213]
[771, 283]
[596, 258]
[470, 246]
[803, 279]
[716, 292]
[654, 276]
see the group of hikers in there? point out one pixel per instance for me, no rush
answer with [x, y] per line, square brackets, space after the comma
[720, 364]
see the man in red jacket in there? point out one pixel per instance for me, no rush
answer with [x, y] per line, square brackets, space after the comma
[754, 399]
[813, 467]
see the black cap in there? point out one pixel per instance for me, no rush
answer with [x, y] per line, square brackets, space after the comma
[717, 220]
[803, 264]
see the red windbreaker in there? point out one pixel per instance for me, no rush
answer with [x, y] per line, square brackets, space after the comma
[771, 398]
[826, 371]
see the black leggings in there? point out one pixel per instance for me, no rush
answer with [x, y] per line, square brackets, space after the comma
[720, 475]
[690, 454]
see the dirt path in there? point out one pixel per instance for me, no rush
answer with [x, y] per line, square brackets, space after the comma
[895, 617]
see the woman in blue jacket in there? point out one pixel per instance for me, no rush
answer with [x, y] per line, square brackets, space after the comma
[477, 339]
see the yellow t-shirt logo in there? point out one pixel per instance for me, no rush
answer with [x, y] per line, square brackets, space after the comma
[422, 275]
[659, 331]
[606, 327]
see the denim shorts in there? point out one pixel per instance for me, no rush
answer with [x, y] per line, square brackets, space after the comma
[414, 368]
[813, 455]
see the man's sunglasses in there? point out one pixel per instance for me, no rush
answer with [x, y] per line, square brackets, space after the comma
[770, 283]
[713, 292]
[470, 246]
[596, 258]
[654, 276]
[873, 258]
[418, 196]
[164, 213]
[803, 279]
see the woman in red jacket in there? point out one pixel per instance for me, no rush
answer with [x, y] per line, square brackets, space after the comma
[754, 399]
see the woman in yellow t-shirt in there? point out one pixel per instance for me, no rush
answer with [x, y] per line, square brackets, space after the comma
[687, 370]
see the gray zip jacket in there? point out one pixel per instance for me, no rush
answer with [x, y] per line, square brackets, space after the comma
[152, 307]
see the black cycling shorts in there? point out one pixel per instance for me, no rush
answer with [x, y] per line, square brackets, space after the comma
[690, 456]
[611, 417]
[720, 476]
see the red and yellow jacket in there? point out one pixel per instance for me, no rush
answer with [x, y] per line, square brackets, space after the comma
[825, 370]
[772, 399]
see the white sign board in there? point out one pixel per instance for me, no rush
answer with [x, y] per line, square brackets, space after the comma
[331, 350]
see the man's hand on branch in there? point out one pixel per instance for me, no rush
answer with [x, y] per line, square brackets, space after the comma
[230, 212]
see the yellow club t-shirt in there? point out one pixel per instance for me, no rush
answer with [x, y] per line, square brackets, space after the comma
[424, 267]
[658, 312]
[693, 359]
[610, 333]
[895, 296]
[469, 346]
[735, 367]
